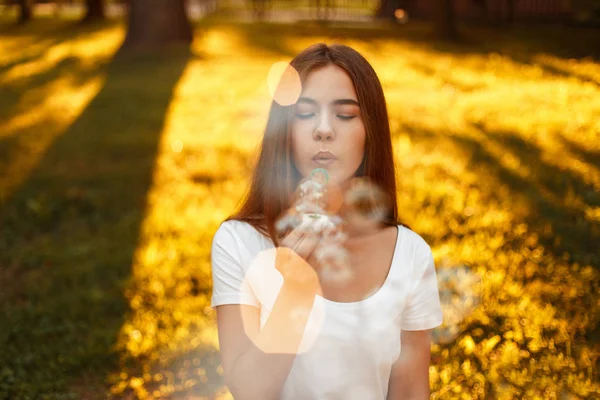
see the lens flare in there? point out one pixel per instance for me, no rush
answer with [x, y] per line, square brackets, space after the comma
[177, 146]
[366, 204]
[460, 293]
[264, 281]
[284, 83]
[401, 16]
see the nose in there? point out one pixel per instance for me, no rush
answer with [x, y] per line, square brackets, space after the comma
[323, 130]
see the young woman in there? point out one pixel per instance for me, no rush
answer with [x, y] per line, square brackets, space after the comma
[284, 332]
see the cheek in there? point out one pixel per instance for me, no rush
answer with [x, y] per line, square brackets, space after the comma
[356, 145]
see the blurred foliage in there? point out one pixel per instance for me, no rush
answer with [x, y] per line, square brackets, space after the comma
[116, 173]
[301, 4]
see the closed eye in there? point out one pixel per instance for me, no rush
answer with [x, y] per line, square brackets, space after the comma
[346, 117]
[305, 115]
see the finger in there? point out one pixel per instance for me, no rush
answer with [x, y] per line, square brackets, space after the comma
[282, 259]
[306, 246]
[292, 239]
[295, 241]
[293, 267]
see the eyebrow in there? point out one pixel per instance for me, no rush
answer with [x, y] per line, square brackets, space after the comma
[338, 102]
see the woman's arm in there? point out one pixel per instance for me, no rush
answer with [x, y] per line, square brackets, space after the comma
[409, 379]
[256, 363]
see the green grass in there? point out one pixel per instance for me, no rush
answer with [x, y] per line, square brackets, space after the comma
[115, 173]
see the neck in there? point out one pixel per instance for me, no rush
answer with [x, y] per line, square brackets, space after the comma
[361, 233]
[345, 185]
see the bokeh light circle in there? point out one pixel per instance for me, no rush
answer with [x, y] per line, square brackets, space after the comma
[284, 83]
[460, 294]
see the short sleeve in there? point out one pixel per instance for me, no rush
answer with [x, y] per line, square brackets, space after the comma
[228, 274]
[423, 310]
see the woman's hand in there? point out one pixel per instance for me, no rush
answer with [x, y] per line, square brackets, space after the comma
[292, 261]
[295, 258]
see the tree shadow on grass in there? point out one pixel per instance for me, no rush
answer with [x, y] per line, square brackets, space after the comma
[45, 39]
[519, 43]
[549, 190]
[69, 233]
[592, 157]
[540, 195]
[545, 193]
[43, 43]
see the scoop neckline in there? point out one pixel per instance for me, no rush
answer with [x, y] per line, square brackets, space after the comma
[378, 293]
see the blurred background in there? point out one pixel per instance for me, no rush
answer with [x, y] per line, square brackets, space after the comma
[127, 134]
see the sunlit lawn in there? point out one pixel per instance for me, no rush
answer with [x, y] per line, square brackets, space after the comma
[114, 175]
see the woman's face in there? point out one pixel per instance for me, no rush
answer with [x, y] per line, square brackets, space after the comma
[327, 118]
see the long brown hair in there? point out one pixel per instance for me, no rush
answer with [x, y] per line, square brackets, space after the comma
[275, 177]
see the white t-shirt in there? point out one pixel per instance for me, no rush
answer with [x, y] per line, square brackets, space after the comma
[347, 349]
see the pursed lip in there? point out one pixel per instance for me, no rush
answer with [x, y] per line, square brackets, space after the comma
[324, 155]
[324, 161]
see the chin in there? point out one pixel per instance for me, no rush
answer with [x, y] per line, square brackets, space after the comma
[333, 171]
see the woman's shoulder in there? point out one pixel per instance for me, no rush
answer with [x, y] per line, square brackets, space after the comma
[230, 229]
[240, 231]
[240, 227]
[413, 244]
[411, 237]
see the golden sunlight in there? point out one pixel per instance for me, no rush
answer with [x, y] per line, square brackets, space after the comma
[497, 157]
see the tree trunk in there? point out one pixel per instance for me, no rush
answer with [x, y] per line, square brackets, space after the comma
[445, 23]
[387, 8]
[25, 11]
[510, 11]
[94, 10]
[157, 23]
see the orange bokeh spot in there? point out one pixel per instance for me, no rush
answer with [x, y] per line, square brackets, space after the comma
[284, 83]
[400, 13]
